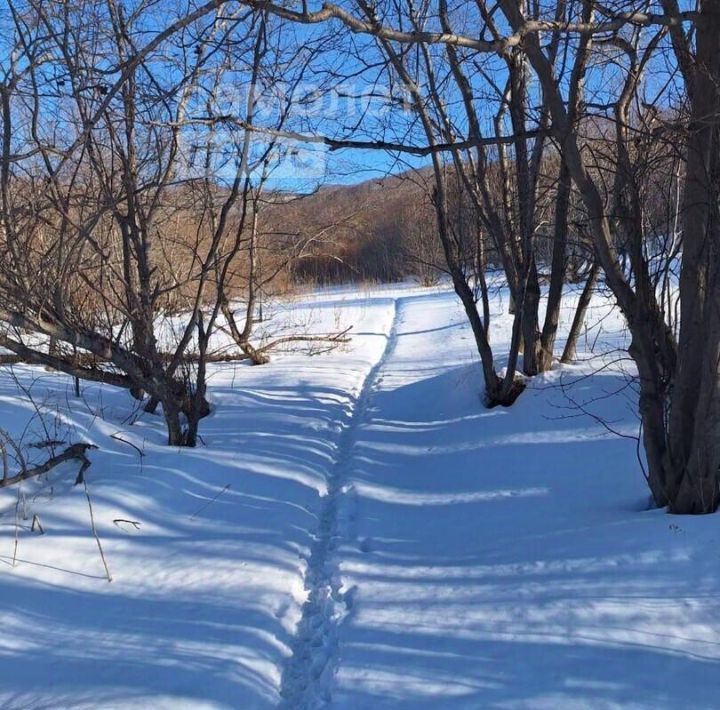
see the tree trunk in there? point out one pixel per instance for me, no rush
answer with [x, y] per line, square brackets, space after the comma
[570, 350]
[171, 412]
[557, 271]
[530, 322]
[694, 428]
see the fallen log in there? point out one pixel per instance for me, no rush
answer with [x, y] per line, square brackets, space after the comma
[76, 452]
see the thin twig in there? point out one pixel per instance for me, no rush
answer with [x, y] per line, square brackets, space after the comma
[36, 525]
[212, 500]
[129, 443]
[85, 466]
[17, 527]
[134, 523]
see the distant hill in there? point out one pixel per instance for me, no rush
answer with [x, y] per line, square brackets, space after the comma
[364, 232]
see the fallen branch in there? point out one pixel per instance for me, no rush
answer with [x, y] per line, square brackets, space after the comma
[87, 366]
[259, 354]
[334, 338]
[76, 452]
[115, 436]
[84, 367]
[117, 523]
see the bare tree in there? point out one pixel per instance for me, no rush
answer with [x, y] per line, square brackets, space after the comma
[679, 397]
[93, 258]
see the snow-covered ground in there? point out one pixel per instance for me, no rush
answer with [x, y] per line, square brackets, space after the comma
[357, 530]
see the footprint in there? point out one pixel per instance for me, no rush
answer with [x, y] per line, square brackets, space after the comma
[367, 544]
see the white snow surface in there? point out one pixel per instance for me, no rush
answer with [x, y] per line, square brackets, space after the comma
[357, 531]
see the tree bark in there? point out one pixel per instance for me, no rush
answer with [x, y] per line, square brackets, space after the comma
[557, 271]
[570, 351]
[694, 448]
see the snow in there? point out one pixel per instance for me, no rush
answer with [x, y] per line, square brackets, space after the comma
[358, 531]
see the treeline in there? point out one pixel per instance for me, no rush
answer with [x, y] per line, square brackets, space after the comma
[385, 230]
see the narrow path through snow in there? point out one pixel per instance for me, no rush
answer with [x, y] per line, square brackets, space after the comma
[463, 558]
[308, 674]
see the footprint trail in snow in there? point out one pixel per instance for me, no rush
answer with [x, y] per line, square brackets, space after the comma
[308, 675]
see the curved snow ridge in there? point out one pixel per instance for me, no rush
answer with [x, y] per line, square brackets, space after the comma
[308, 674]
